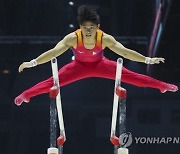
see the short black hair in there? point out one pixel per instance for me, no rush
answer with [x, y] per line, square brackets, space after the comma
[85, 13]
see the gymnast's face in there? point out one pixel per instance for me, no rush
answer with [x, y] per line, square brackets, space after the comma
[89, 29]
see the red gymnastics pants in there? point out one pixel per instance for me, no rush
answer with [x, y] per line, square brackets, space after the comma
[104, 69]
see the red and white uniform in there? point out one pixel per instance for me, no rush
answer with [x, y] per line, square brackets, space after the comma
[91, 63]
[85, 55]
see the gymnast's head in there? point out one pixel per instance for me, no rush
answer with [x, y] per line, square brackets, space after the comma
[89, 21]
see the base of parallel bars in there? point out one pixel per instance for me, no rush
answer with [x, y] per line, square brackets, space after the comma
[123, 151]
[52, 151]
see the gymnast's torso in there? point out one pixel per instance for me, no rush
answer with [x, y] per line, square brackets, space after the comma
[81, 53]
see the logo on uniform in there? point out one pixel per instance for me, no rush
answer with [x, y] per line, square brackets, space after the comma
[80, 51]
[95, 52]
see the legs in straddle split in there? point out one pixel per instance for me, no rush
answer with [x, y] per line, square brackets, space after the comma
[104, 69]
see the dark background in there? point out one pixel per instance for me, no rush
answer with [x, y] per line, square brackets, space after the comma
[29, 28]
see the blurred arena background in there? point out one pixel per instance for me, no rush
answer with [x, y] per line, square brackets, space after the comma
[28, 28]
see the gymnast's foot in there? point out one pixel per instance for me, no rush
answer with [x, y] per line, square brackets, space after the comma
[169, 87]
[20, 99]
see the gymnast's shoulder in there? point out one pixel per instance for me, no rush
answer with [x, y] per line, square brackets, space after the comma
[107, 40]
[70, 39]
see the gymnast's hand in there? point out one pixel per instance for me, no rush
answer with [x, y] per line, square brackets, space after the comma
[23, 66]
[30, 64]
[154, 60]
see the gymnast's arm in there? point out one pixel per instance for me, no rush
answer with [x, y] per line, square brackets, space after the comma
[118, 48]
[67, 42]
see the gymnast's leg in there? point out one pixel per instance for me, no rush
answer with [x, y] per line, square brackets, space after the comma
[107, 69]
[69, 73]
